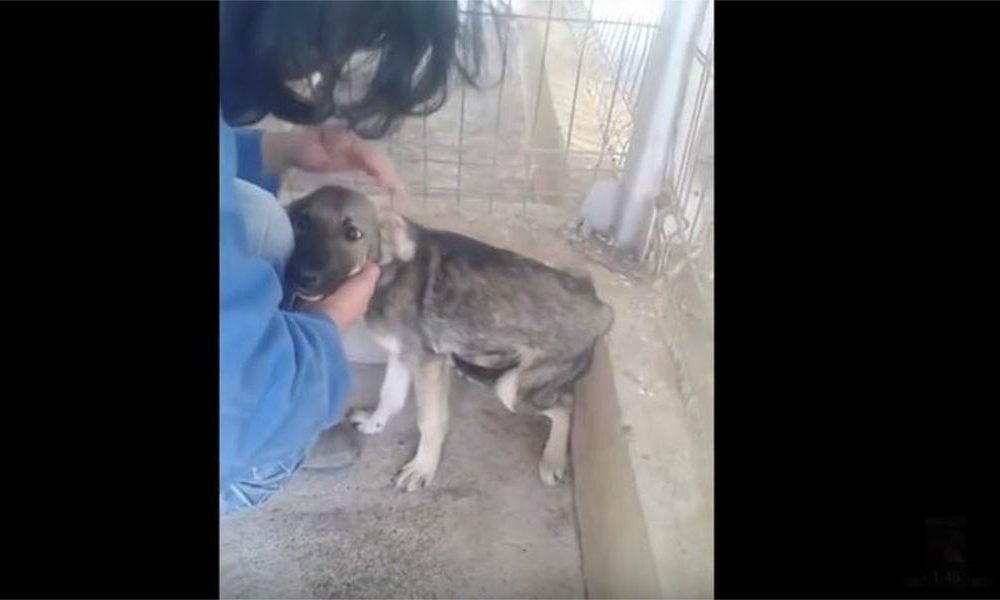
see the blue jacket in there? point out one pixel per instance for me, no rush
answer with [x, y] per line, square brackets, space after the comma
[283, 375]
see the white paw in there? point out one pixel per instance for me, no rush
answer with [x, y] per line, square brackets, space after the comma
[552, 470]
[366, 422]
[416, 474]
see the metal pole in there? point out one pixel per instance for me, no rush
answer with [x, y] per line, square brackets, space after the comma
[657, 113]
[424, 125]
[576, 84]
[496, 130]
[461, 142]
[606, 129]
[538, 99]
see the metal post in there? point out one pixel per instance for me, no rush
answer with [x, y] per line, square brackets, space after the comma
[606, 129]
[538, 100]
[658, 108]
[424, 125]
[576, 83]
[461, 143]
[496, 130]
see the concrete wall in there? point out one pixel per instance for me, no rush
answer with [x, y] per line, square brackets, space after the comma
[617, 557]
[642, 450]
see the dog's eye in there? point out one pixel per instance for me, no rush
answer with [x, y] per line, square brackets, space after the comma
[353, 234]
[300, 222]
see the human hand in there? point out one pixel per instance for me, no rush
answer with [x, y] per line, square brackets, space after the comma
[348, 303]
[328, 149]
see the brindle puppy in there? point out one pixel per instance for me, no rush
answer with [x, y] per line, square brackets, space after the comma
[445, 299]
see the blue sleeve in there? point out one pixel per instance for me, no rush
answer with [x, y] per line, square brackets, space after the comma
[283, 376]
[250, 161]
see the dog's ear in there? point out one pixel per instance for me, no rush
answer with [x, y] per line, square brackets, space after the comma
[396, 239]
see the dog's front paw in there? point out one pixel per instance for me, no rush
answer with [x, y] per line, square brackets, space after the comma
[552, 470]
[366, 422]
[416, 474]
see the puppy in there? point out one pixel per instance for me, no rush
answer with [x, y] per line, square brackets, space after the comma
[445, 299]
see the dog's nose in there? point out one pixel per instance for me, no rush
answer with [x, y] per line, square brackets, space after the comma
[307, 279]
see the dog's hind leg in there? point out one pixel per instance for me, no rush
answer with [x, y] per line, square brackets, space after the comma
[506, 389]
[431, 383]
[392, 398]
[510, 385]
[545, 387]
[552, 467]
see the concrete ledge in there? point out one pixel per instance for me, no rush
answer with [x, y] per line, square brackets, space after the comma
[618, 560]
[642, 450]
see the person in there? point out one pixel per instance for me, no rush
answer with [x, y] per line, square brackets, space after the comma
[283, 374]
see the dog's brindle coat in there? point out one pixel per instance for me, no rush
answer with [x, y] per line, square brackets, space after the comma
[525, 328]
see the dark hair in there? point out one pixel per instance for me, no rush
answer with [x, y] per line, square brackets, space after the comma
[369, 63]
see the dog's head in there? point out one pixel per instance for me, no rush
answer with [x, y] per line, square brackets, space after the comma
[337, 231]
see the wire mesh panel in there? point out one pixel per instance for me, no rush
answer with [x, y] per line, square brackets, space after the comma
[559, 117]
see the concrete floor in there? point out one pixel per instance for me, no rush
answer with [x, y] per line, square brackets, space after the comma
[486, 527]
